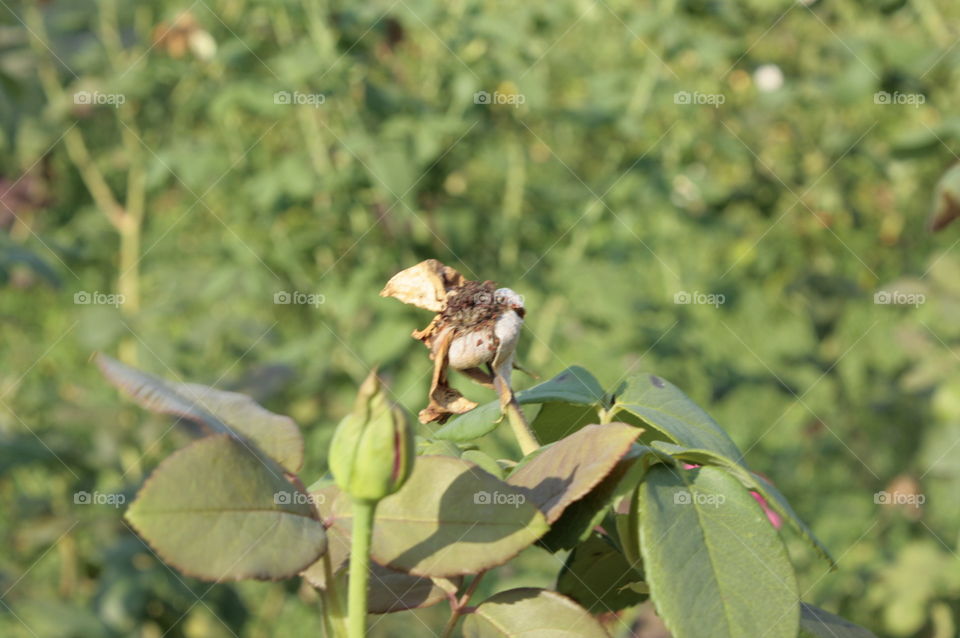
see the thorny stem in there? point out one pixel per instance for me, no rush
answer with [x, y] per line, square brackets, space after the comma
[359, 567]
[457, 607]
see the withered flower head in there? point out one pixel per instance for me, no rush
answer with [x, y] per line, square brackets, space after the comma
[474, 332]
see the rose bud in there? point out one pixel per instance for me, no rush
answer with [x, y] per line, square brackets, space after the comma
[371, 454]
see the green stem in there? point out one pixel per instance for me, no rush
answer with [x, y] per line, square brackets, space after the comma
[360, 566]
[606, 414]
[334, 620]
[452, 623]
[521, 429]
[456, 608]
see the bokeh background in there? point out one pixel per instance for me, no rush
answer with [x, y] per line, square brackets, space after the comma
[771, 161]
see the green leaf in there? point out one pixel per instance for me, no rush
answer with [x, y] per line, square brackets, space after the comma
[450, 518]
[817, 623]
[474, 424]
[715, 565]
[531, 613]
[578, 520]
[567, 470]
[665, 408]
[557, 420]
[338, 544]
[223, 412]
[439, 448]
[626, 518]
[485, 461]
[214, 510]
[752, 481]
[597, 576]
[573, 385]
[390, 591]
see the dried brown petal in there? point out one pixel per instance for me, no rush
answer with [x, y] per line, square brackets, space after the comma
[444, 400]
[426, 335]
[424, 285]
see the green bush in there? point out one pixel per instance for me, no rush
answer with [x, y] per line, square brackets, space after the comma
[619, 188]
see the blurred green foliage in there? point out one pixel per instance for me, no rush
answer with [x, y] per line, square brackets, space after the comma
[599, 198]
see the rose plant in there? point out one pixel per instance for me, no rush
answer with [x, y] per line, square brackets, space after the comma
[641, 491]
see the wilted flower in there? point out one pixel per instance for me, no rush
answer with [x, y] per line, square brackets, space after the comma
[371, 454]
[475, 331]
[182, 34]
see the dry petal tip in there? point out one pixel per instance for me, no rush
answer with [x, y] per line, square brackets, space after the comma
[424, 285]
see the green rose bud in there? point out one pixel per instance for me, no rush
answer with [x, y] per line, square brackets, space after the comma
[372, 450]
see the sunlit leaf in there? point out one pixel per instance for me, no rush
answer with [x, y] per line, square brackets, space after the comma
[450, 518]
[578, 520]
[662, 406]
[568, 469]
[531, 613]
[474, 424]
[572, 386]
[752, 481]
[715, 566]
[388, 591]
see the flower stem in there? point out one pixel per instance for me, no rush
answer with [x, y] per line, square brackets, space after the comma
[334, 620]
[521, 429]
[360, 566]
[458, 606]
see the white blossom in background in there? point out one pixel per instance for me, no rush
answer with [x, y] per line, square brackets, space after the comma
[768, 78]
